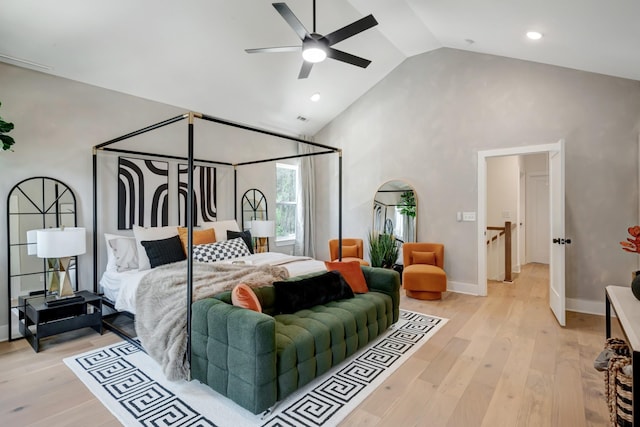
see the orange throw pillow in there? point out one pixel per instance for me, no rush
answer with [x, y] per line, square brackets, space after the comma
[424, 257]
[243, 296]
[352, 274]
[200, 237]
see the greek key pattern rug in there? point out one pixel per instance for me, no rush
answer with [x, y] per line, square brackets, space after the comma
[131, 384]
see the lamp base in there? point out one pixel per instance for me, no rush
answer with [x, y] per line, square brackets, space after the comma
[262, 245]
[61, 284]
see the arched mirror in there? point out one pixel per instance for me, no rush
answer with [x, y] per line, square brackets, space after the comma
[34, 203]
[395, 210]
[254, 206]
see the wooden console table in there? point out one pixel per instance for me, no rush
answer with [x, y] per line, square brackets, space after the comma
[627, 309]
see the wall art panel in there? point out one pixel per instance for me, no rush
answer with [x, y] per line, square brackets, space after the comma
[143, 191]
[204, 194]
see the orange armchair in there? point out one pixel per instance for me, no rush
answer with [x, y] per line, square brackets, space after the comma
[423, 276]
[352, 250]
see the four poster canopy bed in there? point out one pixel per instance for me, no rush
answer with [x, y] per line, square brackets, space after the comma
[254, 327]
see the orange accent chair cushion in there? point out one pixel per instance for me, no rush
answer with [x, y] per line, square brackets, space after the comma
[200, 237]
[424, 257]
[352, 273]
[352, 250]
[243, 296]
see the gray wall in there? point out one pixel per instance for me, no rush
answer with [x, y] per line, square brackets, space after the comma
[426, 121]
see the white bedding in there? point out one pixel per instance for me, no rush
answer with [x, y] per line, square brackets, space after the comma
[121, 287]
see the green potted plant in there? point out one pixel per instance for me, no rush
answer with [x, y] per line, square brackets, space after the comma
[383, 249]
[408, 204]
[6, 140]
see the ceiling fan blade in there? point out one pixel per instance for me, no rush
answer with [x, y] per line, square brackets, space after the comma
[351, 30]
[291, 19]
[305, 70]
[348, 58]
[274, 49]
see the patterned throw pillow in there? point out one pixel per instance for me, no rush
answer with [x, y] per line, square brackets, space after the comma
[220, 251]
[246, 236]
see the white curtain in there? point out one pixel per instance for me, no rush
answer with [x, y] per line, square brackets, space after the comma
[305, 221]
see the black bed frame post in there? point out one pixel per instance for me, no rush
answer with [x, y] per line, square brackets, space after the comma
[340, 205]
[189, 239]
[235, 194]
[95, 220]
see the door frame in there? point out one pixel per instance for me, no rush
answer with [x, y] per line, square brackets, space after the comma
[482, 198]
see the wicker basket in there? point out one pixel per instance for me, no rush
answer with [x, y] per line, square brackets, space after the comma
[618, 384]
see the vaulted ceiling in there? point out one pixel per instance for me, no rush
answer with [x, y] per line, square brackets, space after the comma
[191, 53]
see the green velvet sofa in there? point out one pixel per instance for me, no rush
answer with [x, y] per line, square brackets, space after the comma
[257, 359]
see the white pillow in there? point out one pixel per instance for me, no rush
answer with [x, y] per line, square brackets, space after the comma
[221, 227]
[153, 233]
[125, 253]
[111, 258]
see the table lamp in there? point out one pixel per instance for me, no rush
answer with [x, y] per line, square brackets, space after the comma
[262, 230]
[58, 245]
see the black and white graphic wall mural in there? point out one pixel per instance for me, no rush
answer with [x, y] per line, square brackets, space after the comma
[204, 194]
[143, 190]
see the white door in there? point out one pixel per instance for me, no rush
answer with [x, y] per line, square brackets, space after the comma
[557, 240]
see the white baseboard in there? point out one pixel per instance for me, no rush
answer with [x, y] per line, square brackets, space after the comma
[572, 304]
[4, 333]
[585, 306]
[462, 287]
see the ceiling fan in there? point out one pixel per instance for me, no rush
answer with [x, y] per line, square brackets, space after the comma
[316, 47]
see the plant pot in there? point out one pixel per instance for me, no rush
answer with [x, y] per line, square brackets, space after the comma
[635, 284]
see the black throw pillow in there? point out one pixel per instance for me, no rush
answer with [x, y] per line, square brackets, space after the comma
[246, 236]
[295, 295]
[164, 251]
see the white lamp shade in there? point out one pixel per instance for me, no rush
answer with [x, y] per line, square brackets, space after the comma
[263, 228]
[60, 243]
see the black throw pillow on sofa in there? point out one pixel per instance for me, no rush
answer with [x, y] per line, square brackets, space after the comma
[295, 295]
[164, 251]
[246, 236]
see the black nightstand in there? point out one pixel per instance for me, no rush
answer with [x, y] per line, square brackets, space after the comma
[39, 320]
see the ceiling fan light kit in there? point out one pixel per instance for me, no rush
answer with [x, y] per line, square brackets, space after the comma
[316, 47]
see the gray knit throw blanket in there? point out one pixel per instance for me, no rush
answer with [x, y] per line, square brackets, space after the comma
[161, 305]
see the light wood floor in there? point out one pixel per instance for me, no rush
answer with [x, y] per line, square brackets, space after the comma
[499, 361]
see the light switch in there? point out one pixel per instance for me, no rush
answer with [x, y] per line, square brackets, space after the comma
[468, 216]
[459, 216]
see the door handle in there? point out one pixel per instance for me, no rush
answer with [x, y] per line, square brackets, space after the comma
[561, 241]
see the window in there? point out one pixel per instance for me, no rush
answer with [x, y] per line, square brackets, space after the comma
[286, 201]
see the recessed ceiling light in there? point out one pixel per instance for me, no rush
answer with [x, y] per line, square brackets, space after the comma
[315, 97]
[534, 35]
